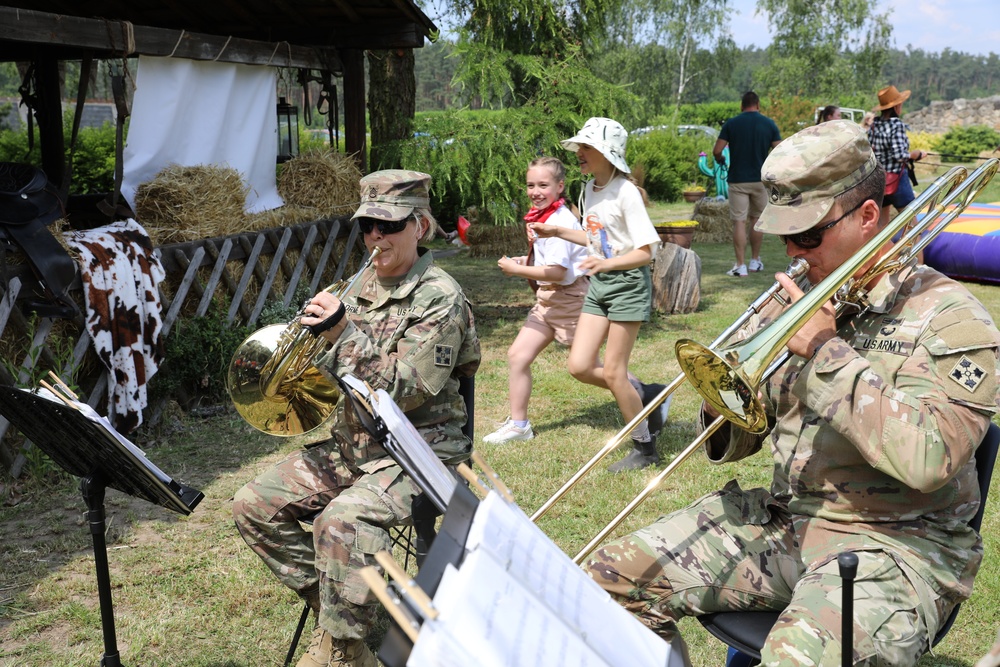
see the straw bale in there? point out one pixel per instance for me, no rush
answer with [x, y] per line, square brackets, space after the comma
[323, 180]
[714, 223]
[496, 241]
[189, 203]
[281, 217]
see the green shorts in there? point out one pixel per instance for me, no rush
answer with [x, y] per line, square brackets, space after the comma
[620, 296]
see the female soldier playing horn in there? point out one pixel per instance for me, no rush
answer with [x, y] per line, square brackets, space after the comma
[407, 328]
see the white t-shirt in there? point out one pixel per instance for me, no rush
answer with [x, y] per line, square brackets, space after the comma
[616, 220]
[557, 252]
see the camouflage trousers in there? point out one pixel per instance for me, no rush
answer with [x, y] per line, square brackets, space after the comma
[739, 550]
[356, 509]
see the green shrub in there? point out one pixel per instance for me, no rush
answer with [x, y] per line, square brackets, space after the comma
[198, 353]
[669, 162]
[94, 160]
[14, 147]
[967, 141]
[712, 114]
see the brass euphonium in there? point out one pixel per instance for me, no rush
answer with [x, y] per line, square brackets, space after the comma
[273, 381]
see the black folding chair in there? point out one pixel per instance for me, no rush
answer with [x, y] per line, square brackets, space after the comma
[746, 631]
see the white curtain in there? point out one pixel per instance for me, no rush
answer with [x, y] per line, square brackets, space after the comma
[190, 113]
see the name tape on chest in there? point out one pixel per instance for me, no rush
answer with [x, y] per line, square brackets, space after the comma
[883, 343]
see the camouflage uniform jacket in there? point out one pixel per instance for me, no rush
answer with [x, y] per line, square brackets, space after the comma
[873, 439]
[414, 339]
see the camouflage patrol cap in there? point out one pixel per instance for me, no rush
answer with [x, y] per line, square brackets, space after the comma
[392, 194]
[804, 173]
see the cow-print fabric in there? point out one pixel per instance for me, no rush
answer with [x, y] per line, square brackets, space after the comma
[121, 276]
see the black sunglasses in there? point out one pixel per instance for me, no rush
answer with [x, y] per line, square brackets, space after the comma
[385, 227]
[812, 238]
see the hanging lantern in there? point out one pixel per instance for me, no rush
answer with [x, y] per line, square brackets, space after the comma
[288, 131]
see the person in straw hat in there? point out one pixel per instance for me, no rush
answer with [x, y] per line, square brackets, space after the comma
[404, 327]
[873, 424]
[891, 146]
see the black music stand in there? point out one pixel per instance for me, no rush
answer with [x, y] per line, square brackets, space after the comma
[448, 548]
[85, 445]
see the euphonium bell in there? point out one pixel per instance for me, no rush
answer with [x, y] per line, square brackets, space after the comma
[273, 381]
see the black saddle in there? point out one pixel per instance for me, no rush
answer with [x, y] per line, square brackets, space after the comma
[28, 205]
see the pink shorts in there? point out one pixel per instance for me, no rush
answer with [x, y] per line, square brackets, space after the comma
[558, 308]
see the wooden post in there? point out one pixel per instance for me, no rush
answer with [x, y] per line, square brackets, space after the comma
[676, 275]
[49, 116]
[354, 106]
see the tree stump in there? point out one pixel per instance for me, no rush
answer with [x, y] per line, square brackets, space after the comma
[676, 276]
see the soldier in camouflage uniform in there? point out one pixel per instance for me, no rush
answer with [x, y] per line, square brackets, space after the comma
[407, 328]
[873, 429]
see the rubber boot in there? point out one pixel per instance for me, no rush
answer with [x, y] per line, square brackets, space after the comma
[658, 417]
[643, 454]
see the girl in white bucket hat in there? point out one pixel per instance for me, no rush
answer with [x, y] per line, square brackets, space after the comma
[621, 240]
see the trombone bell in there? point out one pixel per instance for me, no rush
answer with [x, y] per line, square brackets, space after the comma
[722, 385]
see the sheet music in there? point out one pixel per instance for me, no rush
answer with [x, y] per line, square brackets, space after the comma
[489, 614]
[528, 554]
[407, 446]
[108, 429]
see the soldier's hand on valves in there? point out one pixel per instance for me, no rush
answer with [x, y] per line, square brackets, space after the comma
[820, 328]
[321, 310]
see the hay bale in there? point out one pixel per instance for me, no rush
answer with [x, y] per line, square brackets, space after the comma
[189, 203]
[496, 241]
[322, 180]
[714, 223]
[280, 217]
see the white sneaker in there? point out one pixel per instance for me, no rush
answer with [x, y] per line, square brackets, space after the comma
[738, 270]
[756, 266]
[509, 431]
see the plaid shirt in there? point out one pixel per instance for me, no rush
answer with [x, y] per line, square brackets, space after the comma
[890, 144]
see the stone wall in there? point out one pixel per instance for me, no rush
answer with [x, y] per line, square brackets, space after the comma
[939, 117]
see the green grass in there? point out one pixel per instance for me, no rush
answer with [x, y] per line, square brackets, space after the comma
[187, 591]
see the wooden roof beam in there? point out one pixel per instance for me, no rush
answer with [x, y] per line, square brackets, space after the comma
[21, 25]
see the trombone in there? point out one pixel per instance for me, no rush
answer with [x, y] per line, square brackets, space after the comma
[728, 379]
[796, 269]
[272, 380]
[731, 387]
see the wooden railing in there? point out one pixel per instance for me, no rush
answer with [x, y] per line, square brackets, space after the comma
[240, 273]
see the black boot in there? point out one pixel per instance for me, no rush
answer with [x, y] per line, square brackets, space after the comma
[643, 454]
[658, 417]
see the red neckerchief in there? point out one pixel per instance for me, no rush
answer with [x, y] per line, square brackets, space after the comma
[536, 215]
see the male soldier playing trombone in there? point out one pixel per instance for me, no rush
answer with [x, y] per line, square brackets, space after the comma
[872, 427]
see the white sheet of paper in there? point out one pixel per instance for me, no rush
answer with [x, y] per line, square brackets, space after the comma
[109, 431]
[501, 623]
[528, 554]
[414, 447]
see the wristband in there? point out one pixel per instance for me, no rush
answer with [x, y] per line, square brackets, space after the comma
[328, 323]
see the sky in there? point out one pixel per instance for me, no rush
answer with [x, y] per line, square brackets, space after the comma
[970, 26]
